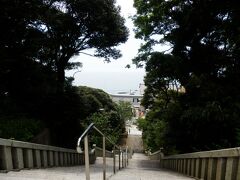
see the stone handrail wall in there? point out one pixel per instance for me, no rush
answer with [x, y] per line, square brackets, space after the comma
[99, 152]
[156, 155]
[207, 165]
[16, 155]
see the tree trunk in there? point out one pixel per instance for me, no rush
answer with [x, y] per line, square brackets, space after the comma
[60, 79]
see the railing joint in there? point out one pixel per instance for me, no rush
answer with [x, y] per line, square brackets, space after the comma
[122, 153]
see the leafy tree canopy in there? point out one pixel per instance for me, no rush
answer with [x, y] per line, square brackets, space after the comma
[204, 59]
[37, 40]
[50, 32]
[74, 26]
[125, 110]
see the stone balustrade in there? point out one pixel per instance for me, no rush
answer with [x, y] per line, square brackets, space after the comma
[99, 152]
[207, 165]
[16, 155]
[156, 155]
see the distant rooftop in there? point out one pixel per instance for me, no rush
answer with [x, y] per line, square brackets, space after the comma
[125, 93]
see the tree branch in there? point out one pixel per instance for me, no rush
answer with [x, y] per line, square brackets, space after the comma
[87, 54]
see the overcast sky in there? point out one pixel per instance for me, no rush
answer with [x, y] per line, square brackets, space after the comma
[112, 77]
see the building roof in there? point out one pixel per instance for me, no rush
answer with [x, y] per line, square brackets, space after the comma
[126, 95]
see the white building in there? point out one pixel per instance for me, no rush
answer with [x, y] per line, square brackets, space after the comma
[142, 88]
[135, 101]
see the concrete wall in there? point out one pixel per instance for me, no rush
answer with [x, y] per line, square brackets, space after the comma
[208, 165]
[16, 155]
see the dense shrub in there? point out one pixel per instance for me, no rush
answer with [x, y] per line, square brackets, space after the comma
[20, 128]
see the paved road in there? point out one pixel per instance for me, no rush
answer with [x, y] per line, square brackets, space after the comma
[140, 168]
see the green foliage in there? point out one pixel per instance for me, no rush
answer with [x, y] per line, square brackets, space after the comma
[204, 59]
[23, 128]
[93, 100]
[98, 107]
[153, 131]
[79, 28]
[39, 38]
[142, 124]
[108, 123]
[124, 110]
[36, 43]
[82, 106]
[77, 105]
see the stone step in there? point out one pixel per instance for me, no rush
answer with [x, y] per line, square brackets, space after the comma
[61, 173]
[141, 168]
[147, 174]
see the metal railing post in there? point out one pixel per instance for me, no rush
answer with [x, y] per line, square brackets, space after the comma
[114, 160]
[86, 151]
[86, 154]
[122, 158]
[126, 156]
[119, 158]
[104, 159]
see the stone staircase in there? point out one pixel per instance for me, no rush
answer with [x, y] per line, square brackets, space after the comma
[141, 168]
[62, 173]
